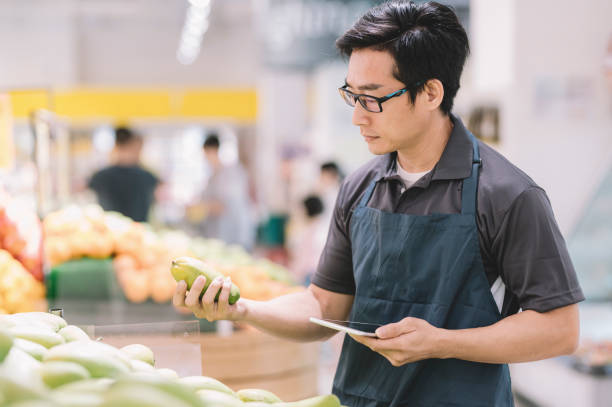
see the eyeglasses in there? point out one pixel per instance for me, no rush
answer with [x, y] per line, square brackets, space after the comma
[370, 103]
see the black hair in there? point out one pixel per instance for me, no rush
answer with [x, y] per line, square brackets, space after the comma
[124, 136]
[426, 41]
[212, 141]
[313, 205]
[331, 166]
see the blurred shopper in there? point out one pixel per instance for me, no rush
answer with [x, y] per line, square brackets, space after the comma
[125, 186]
[307, 243]
[439, 239]
[226, 203]
[330, 179]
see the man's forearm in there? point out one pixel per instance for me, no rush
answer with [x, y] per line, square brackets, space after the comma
[286, 316]
[523, 337]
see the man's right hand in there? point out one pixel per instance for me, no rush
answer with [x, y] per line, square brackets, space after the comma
[207, 307]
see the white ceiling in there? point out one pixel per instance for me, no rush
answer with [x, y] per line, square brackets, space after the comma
[122, 42]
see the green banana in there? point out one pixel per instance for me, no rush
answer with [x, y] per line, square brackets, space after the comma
[51, 321]
[73, 333]
[219, 399]
[196, 383]
[56, 374]
[189, 268]
[319, 401]
[167, 374]
[36, 350]
[100, 385]
[249, 395]
[139, 352]
[42, 336]
[102, 360]
[154, 383]
[6, 342]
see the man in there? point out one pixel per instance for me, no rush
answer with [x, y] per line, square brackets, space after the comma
[125, 186]
[439, 238]
[226, 201]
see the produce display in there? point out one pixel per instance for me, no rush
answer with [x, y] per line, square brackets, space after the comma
[141, 256]
[21, 234]
[46, 362]
[19, 290]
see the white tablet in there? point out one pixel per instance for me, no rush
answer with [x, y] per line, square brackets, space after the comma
[351, 327]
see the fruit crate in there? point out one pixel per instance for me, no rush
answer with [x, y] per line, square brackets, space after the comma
[174, 343]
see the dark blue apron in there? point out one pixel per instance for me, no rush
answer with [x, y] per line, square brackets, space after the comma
[427, 267]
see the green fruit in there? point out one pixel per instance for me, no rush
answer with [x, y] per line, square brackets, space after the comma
[36, 350]
[154, 382]
[19, 378]
[73, 333]
[319, 401]
[42, 336]
[100, 359]
[188, 269]
[69, 399]
[219, 399]
[140, 366]
[258, 395]
[139, 352]
[34, 403]
[87, 386]
[55, 374]
[13, 390]
[53, 322]
[142, 396]
[196, 383]
[6, 342]
[167, 374]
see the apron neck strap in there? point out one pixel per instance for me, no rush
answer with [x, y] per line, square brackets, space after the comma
[367, 194]
[470, 184]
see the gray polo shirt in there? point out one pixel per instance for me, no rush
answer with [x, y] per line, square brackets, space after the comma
[520, 241]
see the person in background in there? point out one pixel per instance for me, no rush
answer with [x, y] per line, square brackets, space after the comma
[125, 186]
[439, 238]
[226, 203]
[308, 242]
[330, 180]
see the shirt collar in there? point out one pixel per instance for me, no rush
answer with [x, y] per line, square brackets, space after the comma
[455, 162]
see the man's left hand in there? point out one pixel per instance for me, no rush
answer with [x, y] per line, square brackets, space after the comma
[406, 341]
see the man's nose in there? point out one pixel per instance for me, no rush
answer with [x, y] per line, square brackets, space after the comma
[361, 116]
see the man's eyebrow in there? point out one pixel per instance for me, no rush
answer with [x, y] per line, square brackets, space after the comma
[367, 86]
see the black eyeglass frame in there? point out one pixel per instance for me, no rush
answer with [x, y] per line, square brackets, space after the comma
[357, 97]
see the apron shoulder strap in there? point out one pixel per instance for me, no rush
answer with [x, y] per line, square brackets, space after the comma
[470, 184]
[367, 194]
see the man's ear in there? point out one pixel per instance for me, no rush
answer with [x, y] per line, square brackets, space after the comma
[433, 93]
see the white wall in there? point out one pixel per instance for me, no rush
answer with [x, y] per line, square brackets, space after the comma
[556, 107]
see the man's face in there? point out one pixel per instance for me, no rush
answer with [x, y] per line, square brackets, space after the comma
[400, 123]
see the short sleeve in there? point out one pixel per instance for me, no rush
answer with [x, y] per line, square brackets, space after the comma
[532, 256]
[335, 269]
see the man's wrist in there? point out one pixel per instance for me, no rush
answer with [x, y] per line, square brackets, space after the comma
[242, 310]
[443, 344]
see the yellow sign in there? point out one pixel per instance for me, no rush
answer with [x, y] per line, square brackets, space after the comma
[125, 104]
[7, 148]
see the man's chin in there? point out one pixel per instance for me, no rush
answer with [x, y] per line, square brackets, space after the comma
[377, 150]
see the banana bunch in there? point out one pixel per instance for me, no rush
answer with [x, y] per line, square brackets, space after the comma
[46, 362]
